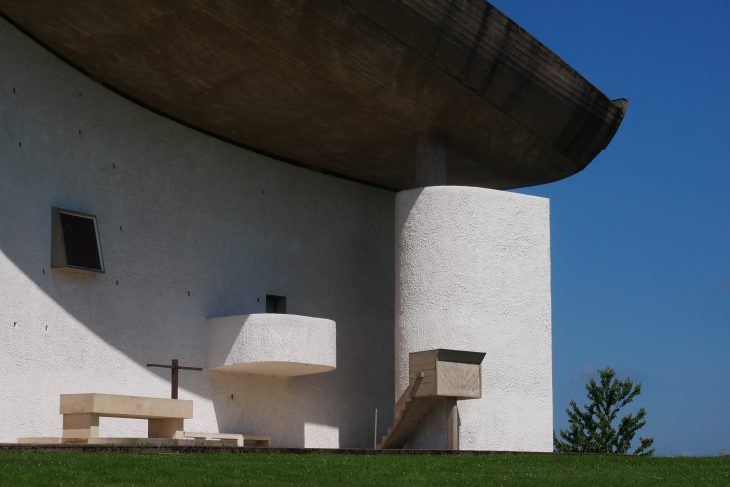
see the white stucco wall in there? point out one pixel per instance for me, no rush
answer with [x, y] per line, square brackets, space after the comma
[473, 273]
[191, 227]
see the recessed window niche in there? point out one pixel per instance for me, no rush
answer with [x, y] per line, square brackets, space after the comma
[75, 241]
[275, 304]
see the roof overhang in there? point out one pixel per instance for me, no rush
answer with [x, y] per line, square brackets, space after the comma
[343, 86]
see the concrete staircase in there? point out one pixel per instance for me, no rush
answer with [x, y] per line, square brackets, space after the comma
[435, 375]
[409, 412]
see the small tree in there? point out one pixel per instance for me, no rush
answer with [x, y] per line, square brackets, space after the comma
[592, 431]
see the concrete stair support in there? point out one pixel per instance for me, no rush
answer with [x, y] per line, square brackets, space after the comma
[436, 375]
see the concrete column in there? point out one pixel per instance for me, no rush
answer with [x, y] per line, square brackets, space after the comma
[473, 273]
[430, 160]
[80, 425]
[452, 436]
[164, 428]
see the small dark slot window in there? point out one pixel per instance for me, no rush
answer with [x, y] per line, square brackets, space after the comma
[75, 241]
[275, 304]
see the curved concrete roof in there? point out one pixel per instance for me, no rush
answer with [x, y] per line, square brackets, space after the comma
[343, 86]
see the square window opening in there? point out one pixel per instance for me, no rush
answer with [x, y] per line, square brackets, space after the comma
[275, 304]
[75, 241]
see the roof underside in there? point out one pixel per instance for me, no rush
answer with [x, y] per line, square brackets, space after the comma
[343, 86]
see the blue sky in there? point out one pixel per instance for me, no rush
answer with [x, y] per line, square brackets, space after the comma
[641, 238]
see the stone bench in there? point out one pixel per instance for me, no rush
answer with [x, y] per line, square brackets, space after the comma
[81, 413]
[241, 440]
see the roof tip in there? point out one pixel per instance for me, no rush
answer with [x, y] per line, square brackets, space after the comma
[621, 103]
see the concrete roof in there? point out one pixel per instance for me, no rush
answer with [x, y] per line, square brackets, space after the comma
[343, 86]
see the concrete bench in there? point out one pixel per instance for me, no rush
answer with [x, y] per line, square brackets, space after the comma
[241, 440]
[81, 413]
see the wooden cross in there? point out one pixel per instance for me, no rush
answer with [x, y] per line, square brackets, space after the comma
[174, 368]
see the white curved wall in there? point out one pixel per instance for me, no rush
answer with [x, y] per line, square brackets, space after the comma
[272, 344]
[473, 273]
[190, 227]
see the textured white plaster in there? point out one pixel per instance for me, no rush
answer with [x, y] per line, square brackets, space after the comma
[190, 227]
[272, 344]
[473, 273]
[320, 436]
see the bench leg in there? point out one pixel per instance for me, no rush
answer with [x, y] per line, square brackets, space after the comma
[164, 428]
[80, 425]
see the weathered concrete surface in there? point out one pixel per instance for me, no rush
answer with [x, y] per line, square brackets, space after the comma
[190, 227]
[473, 273]
[344, 86]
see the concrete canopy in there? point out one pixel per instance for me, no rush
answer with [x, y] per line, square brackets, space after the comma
[343, 86]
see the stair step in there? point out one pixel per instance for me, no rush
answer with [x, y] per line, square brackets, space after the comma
[408, 414]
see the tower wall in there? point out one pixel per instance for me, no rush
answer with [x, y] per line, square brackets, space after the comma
[473, 273]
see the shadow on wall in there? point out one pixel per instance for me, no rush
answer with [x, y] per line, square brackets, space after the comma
[148, 319]
[190, 227]
[140, 309]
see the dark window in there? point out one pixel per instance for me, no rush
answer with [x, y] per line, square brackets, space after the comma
[75, 241]
[275, 304]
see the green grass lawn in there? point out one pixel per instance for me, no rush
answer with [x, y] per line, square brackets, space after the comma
[79, 468]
